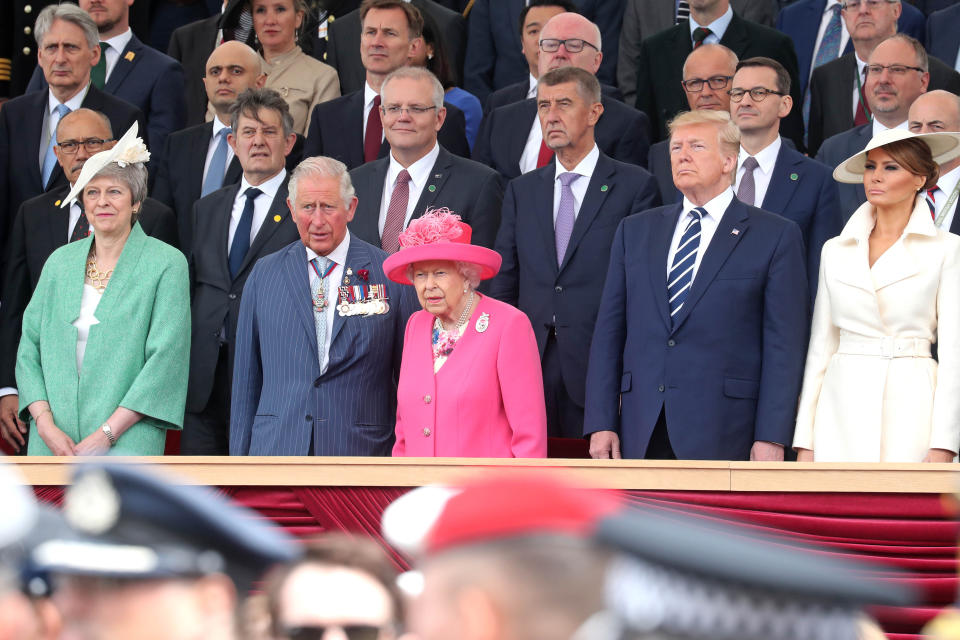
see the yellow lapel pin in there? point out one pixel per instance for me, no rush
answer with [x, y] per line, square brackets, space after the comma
[277, 218]
[130, 56]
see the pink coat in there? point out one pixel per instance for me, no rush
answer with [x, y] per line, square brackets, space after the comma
[487, 399]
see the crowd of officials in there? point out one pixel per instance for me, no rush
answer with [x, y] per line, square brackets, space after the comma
[719, 240]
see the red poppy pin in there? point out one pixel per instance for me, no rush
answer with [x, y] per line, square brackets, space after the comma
[363, 274]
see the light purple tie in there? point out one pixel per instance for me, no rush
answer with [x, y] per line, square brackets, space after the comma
[563, 228]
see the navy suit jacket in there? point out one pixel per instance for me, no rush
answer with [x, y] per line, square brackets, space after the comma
[336, 130]
[622, 132]
[152, 82]
[468, 188]
[565, 296]
[943, 36]
[282, 403]
[838, 148]
[726, 370]
[801, 21]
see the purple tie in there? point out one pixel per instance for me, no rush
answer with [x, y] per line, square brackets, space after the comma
[747, 193]
[565, 216]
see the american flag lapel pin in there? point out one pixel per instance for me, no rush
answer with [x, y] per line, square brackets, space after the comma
[735, 231]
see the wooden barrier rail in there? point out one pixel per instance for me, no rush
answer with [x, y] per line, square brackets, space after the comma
[681, 475]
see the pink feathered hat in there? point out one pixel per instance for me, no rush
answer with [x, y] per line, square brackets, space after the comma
[439, 235]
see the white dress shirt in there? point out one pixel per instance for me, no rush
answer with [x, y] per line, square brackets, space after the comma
[579, 186]
[419, 176]
[879, 127]
[717, 28]
[112, 53]
[51, 118]
[339, 256]
[856, 92]
[212, 147]
[89, 300]
[766, 159]
[532, 90]
[531, 150]
[708, 226]
[261, 206]
[945, 185]
[368, 95]
[824, 21]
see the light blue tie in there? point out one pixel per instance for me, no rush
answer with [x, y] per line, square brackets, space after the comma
[829, 50]
[680, 277]
[218, 165]
[321, 264]
[563, 228]
[50, 158]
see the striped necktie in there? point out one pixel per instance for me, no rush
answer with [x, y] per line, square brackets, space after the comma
[680, 277]
[932, 201]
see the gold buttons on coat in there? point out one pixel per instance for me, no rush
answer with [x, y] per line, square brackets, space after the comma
[27, 8]
[26, 30]
[26, 51]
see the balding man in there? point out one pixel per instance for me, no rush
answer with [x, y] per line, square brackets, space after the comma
[935, 111]
[510, 138]
[707, 73]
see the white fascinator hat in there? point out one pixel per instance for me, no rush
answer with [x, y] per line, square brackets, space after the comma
[129, 149]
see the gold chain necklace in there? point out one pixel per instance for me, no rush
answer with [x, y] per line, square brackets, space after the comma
[99, 279]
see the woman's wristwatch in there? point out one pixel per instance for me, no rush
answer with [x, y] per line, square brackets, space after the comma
[107, 431]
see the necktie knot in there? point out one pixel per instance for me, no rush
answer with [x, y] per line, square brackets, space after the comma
[403, 177]
[931, 192]
[566, 179]
[750, 163]
[699, 35]
[252, 193]
[322, 263]
[697, 214]
[63, 109]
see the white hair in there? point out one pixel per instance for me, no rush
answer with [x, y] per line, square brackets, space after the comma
[321, 167]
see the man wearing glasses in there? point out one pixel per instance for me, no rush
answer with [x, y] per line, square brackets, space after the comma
[837, 100]
[770, 174]
[419, 174]
[40, 228]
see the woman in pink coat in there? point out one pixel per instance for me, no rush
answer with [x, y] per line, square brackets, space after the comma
[470, 380]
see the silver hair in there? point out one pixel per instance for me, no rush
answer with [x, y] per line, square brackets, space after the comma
[321, 167]
[251, 101]
[104, 120]
[133, 175]
[470, 272]
[68, 13]
[417, 73]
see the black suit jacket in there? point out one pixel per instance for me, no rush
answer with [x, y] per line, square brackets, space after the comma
[21, 128]
[622, 133]
[660, 70]
[191, 45]
[336, 130]
[343, 43]
[40, 228]
[468, 188]
[568, 295]
[831, 96]
[180, 174]
[943, 36]
[215, 295]
[518, 91]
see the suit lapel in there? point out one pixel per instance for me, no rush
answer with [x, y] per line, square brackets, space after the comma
[223, 210]
[58, 220]
[720, 248]
[33, 131]
[781, 188]
[357, 258]
[278, 212]
[354, 128]
[198, 150]
[125, 64]
[367, 221]
[124, 274]
[234, 172]
[544, 214]
[298, 282]
[437, 178]
[657, 251]
[735, 37]
[601, 184]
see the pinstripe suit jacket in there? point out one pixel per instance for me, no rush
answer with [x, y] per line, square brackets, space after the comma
[281, 401]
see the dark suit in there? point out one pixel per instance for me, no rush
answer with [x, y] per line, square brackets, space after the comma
[518, 91]
[282, 404]
[726, 369]
[838, 148]
[21, 130]
[660, 70]
[562, 300]
[150, 81]
[216, 306]
[180, 174]
[943, 37]
[40, 228]
[468, 188]
[18, 44]
[831, 96]
[191, 45]
[622, 133]
[494, 59]
[343, 43]
[336, 130]
[801, 21]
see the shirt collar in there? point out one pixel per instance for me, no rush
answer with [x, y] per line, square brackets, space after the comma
[766, 157]
[715, 207]
[73, 103]
[584, 168]
[120, 42]
[339, 253]
[860, 65]
[218, 126]
[269, 188]
[830, 5]
[948, 181]
[532, 87]
[419, 171]
[718, 27]
[368, 95]
[879, 127]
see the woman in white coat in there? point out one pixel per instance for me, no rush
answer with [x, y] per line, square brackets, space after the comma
[889, 290]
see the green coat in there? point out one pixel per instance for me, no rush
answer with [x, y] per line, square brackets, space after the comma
[136, 356]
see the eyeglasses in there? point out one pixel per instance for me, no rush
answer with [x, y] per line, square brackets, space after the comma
[895, 69]
[695, 85]
[572, 45]
[233, 70]
[92, 145]
[394, 110]
[854, 5]
[758, 94]
[351, 631]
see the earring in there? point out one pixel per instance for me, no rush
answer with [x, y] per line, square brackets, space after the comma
[466, 288]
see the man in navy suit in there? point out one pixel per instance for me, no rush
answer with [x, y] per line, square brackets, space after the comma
[943, 37]
[771, 175]
[348, 128]
[311, 379]
[699, 347]
[932, 112]
[419, 173]
[558, 223]
[130, 70]
[510, 138]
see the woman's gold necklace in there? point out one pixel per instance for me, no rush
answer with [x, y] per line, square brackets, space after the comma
[99, 279]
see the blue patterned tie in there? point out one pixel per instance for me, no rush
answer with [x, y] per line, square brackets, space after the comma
[681, 272]
[50, 158]
[241, 237]
[218, 165]
[321, 264]
[829, 50]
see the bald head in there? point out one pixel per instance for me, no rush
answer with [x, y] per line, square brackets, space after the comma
[566, 26]
[934, 111]
[705, 62]
[231, 69]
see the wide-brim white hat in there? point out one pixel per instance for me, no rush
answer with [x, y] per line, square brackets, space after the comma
[128, 150]
[944, 146]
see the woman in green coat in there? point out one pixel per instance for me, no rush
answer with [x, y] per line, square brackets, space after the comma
[102, 363]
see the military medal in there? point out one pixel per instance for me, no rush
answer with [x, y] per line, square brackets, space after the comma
[362, 299]
[320, 302]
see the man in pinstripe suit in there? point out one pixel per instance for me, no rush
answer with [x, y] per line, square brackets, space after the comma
[320, 333]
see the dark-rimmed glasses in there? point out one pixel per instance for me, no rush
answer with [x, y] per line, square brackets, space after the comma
[572, 45]
[394, 110]
[695, 85]
[91, 145]
[895, 69]
[758, 94]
